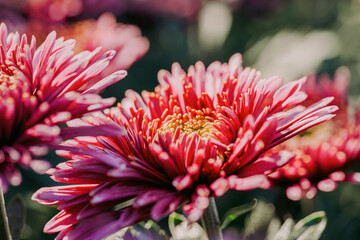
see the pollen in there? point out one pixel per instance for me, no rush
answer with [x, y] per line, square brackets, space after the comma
[4, 78]
[188, 123]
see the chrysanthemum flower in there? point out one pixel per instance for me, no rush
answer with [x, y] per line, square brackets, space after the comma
[40, 89]
[199, 134]
[322, 153]
[125, 39]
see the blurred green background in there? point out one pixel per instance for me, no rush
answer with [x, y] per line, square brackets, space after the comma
[289, 38]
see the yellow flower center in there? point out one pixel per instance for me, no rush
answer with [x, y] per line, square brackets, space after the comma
[188, 123]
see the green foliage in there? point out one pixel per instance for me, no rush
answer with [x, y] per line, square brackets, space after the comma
[235, 212]
[308, 228]
[4, 223]
[16, 216]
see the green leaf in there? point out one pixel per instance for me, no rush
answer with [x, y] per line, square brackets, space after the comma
[16, 216]
[235, 212]
[4, 223]
[175, 219]
[310, 227]
[124, 204]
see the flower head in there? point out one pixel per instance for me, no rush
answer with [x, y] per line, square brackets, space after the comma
[323, 152]
[40, 89]
[197, 135]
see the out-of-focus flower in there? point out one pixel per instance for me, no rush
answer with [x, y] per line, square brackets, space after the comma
[53, 10]
[60, 10]
[213, 31]
[323, 86]
[40, 89]
[323, 152]
[11, 16]
[57, 11]
[302, 53]
[181, 8]
[125, 39]
[199, 134]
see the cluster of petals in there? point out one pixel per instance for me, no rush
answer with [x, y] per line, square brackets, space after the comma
[125, 39]
[41, 88]
[199, 134]
[324, 152]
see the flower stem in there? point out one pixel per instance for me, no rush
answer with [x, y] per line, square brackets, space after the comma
[5, 233]
[211, 222]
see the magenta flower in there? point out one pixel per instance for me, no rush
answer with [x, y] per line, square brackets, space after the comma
[40, 89]
[324, 152]
[199, 134]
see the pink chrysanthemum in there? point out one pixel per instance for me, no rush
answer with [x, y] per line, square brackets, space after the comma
[199, 134]
[324, 151]
[125, 39]
[40, 89]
